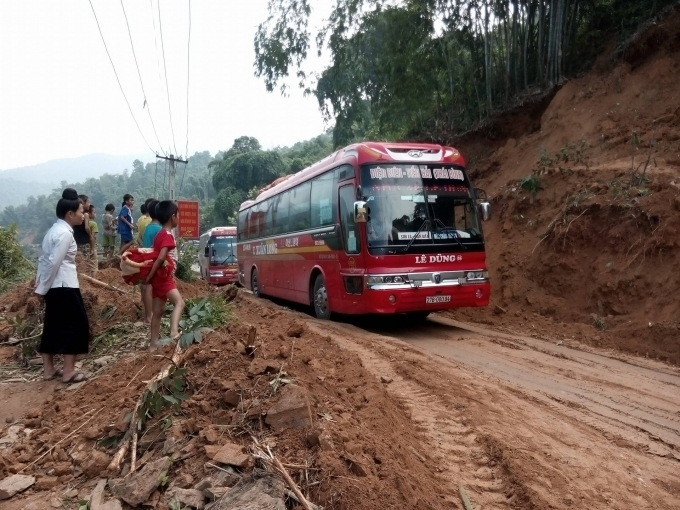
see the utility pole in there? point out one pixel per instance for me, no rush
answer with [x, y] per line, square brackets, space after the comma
[172, 173]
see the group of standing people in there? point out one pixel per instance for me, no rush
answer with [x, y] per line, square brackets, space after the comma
[66, 329]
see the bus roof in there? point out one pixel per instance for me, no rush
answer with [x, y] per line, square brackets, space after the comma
[362, 153]
[221, 231]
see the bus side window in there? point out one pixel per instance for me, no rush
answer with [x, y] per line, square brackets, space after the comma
[268, 207]
[242, 225]
[281, 213]
[299, 207]
[350, 232]
[323, 205]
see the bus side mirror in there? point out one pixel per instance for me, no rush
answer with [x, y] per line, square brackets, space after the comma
[360, 212]
[207, 251]
[484, 210]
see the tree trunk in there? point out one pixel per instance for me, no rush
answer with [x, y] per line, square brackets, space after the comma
[487, 58]
[541, 19]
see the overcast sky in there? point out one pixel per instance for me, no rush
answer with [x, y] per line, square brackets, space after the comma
[59, 97]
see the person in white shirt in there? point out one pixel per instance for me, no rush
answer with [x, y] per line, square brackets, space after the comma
[66, 330]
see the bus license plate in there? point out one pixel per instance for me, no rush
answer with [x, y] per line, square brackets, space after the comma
[437, 299]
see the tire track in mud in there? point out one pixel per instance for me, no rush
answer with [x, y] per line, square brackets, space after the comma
[459, 453]
[637, 409]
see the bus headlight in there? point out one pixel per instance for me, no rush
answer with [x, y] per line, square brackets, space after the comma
[477, 275]
[216, 274]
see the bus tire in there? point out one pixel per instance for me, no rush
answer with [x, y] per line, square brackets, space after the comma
[322, 310]
[255, 283]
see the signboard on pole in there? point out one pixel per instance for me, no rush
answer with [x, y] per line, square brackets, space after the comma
[188, 226]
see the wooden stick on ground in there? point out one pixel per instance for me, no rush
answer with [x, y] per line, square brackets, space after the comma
[464, 497]
[269, 459]
[101, 283]
[134, 429]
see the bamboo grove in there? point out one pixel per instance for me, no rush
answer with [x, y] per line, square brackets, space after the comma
[428, 69]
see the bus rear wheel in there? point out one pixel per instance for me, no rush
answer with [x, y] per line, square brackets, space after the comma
[255, 284]
[320, 299]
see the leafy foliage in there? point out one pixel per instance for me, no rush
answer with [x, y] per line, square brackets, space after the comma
[168, 393]
[14, 266]
[428, 69]
[531, 184]
[187, 253]
[200, 316]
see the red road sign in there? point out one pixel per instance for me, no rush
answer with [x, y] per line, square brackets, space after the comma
[188, 226]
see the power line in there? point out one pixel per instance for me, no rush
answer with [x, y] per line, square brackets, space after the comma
[118, 79]
[165, 70]
[146, 102]
[155, 42]
[188, 68]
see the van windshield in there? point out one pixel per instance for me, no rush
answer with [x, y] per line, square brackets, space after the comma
[416, 206]
[222, 250]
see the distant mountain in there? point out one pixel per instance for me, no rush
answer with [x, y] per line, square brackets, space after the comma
[17, 184]
[13, 192]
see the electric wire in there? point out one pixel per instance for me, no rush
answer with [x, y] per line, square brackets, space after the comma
[188, 69]
[165, 70]
[118, 79]
[146, 102]
[158, 62]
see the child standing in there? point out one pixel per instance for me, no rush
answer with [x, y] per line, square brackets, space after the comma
[143, 221]
[125, 225]
[109, 231]
[161, 277]
[94, 230]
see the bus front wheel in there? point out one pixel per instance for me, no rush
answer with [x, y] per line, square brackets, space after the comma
[255, 284]
[320, 299]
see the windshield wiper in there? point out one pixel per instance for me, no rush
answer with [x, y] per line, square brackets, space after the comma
[447, 232]
[406, 248]
[228, 257]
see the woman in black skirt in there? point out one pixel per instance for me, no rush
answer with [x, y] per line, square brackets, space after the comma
[66, 330]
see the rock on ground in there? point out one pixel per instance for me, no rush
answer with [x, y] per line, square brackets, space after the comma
[291, 411]
[14, 484]
[230, 453]
[137, 487]
[257, 491]
[191, 498]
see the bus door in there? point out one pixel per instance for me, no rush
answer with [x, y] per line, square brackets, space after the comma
[351, 258]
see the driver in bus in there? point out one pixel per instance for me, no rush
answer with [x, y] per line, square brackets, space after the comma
[379, 227]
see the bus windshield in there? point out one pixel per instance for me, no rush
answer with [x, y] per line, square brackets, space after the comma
[222, 250]
[415, 206]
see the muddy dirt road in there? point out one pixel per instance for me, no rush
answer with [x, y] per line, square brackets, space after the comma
[524, 423]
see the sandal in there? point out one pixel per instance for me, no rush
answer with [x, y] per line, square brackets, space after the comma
[57, 373]
[77, 377]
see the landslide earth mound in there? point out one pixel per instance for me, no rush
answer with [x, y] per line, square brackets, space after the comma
[262, 377]
[586, 202]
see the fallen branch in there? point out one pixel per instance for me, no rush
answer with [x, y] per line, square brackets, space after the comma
[271, 461]
[175, 360]
[564, 238]
[62, 440]
[464, 497]
[101, 284]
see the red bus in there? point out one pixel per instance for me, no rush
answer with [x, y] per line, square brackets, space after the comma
[217, 256]
[373, 228]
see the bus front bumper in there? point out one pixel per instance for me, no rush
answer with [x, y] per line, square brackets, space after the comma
[423, 299]
[222, 277]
